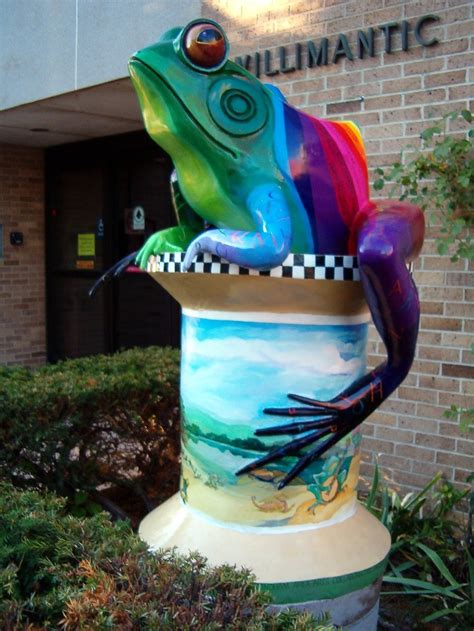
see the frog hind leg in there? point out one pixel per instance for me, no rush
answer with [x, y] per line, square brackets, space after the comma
[388, 239]
[263, 249]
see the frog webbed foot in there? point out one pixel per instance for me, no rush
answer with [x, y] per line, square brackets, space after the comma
[175, 239]
[334, 420]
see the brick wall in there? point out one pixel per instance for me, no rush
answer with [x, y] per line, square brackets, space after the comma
[400, 92]
[22, 275]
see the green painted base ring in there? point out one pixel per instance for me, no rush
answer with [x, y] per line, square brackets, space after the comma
[324, 588]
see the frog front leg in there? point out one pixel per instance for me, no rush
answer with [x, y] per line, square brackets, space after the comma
[387, 239]
[263, 249]
[176, 238]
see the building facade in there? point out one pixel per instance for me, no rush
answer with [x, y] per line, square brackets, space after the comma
[75, 163]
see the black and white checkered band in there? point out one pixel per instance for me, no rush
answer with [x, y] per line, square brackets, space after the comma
[303, 266]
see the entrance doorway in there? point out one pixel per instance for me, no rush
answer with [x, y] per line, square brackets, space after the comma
[103, 199]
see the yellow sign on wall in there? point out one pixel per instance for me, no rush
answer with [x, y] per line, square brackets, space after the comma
[86, 244]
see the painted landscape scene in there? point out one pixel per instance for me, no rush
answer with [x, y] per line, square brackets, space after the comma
[232, 370]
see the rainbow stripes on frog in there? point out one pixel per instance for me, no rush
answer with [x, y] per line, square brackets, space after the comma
[324, 163]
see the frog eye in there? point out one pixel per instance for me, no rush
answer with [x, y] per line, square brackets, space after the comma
[204, 45]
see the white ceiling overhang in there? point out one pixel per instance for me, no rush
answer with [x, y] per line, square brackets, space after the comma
[103, 110]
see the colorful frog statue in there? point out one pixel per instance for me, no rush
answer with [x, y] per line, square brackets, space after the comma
[256, 179]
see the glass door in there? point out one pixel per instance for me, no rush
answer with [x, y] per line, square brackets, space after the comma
[104, 198]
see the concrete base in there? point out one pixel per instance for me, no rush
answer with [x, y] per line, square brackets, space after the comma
[357, 611]
[285, 559]
[275, 555]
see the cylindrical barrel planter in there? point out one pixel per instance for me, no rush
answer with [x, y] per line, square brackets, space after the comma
[248, 339]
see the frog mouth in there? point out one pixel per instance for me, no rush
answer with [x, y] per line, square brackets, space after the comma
[134, 61]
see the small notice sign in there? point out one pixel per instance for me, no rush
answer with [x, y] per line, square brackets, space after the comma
[138, 219]
[99, 231]
[86, 244]
[81, 264]
[134, 220]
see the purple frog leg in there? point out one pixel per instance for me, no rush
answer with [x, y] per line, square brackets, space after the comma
[264, 249]
[386, 242]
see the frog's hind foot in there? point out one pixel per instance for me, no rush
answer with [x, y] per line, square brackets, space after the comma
[326, 428]
[334, 420]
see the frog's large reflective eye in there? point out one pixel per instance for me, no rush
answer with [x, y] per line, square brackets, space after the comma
[204, 44]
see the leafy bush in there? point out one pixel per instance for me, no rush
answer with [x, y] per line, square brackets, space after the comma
[59, 571]
[440, 179]
[430, 561]
[102, 431]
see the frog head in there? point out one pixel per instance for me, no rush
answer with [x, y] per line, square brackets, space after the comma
[211, 115]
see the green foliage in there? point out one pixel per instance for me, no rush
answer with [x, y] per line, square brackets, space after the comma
[440, 179]
[59, 571]
[90, 427]
[465, 415]
[428, 557]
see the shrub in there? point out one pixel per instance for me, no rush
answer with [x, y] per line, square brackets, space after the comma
[440, 179]
[60, 571]
[102, 431]
[431, 563]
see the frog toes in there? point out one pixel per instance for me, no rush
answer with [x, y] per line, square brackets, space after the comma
[192, 251]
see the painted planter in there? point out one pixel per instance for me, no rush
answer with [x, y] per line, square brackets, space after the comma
[248, 339]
